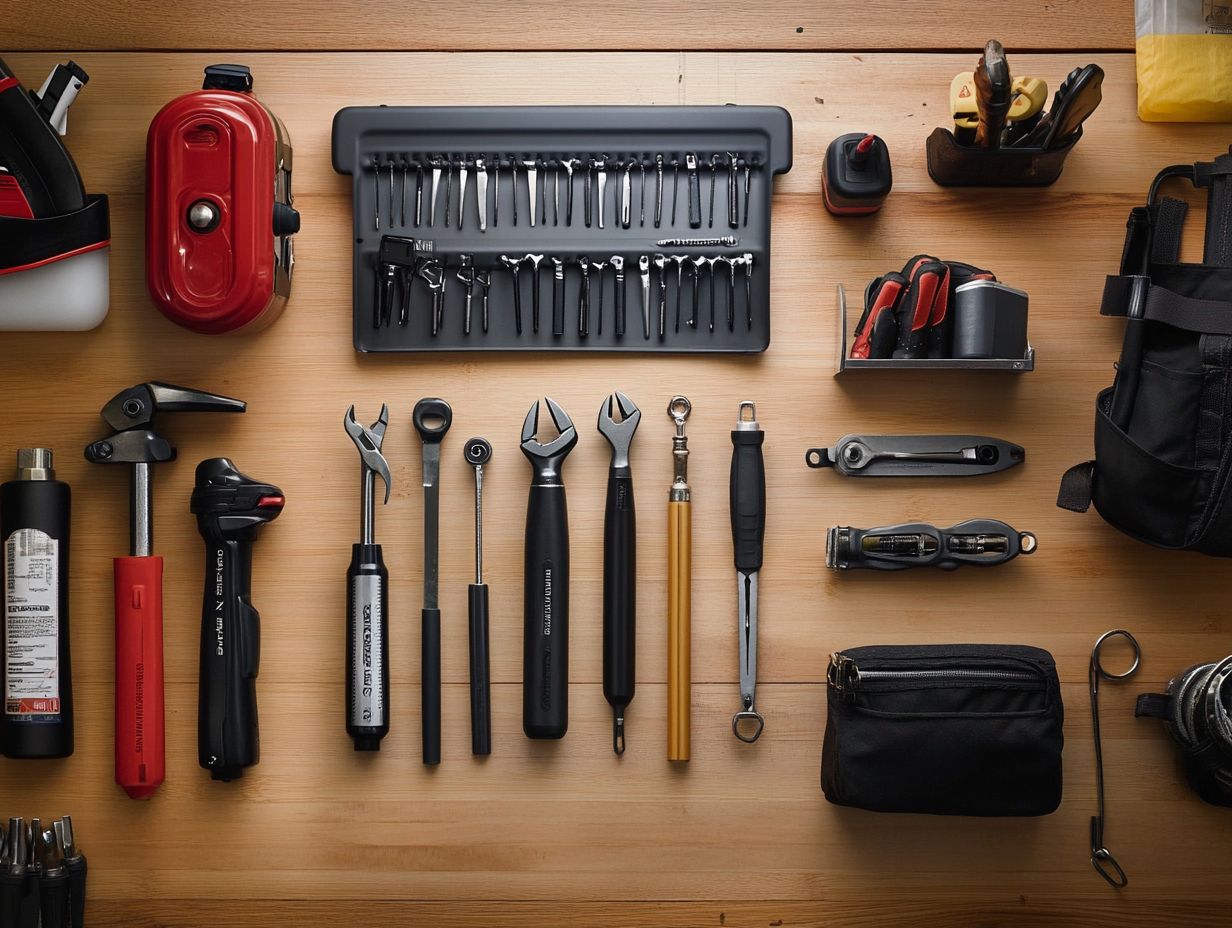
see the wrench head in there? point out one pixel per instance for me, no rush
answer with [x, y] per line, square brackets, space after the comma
[368, 441]
[547, 459]
[619, 434]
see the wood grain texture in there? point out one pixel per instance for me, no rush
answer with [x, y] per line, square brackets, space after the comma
[522, 25]
[566, 833]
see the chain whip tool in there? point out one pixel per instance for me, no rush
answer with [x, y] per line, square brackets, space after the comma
[478, 452]
[619, 564]
[432, 418]
[1101, 858]
[748, 522]
[367, 719]
[679, 586]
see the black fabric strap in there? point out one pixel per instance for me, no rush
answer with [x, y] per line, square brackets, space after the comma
[1213, 402]
[1133, 296]
[1218, 247]
[1169, 224]
[1153, 706]
[1076, 484]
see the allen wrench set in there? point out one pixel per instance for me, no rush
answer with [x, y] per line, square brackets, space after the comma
[525, 228]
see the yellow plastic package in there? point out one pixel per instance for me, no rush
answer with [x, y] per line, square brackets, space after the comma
[1184, 60]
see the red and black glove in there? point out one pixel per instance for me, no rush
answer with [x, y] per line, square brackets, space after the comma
[906, 315]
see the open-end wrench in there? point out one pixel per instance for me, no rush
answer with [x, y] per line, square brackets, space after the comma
[658, 210]
[733, 200]
[515, 269]
[584, 265]
[466, 274]
[601, 177]
[626, 196]
[598, 267]
[534, 261]
[432, 418]
[695, 191]
[660, 263]
[643, 267]
[680, 261]
[436, 164]
[618, 294]
[463, 169]
[545, 649]
[619, 564]
[558, 296]
[481, 191]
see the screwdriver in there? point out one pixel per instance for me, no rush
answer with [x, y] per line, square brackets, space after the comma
[478, 452]
[679, 570]
[748, 524]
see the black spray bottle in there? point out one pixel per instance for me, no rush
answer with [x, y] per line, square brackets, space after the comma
[35, 672]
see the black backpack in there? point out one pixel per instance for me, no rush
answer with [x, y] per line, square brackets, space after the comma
[1163, 430]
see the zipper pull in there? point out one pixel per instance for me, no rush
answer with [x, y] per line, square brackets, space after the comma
[842, 674]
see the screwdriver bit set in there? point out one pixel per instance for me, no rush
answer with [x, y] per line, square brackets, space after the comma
[672, 203]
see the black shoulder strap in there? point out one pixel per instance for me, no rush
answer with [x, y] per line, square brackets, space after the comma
[1076, 484]
[1169, 224]
[1218, 176]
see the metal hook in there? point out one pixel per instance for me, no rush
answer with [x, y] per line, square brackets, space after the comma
[1101, 858]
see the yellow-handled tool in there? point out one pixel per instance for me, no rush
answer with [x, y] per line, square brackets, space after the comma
[679, 573]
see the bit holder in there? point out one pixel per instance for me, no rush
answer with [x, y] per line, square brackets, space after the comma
[450, 189]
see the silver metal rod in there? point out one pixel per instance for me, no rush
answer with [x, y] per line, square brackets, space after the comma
[141, 529]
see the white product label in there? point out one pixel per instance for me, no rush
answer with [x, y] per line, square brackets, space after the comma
[32, 626]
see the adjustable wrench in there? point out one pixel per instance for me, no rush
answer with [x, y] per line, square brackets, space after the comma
[545, 650]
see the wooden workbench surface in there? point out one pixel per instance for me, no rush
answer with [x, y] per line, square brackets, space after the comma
[565, 833]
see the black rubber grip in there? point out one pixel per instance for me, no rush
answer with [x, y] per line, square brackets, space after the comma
[545, 651]
[53, 901]
[619, 593]
[76, 891]
[695, 199]
[481, 698]
[430, 676]
[748, 498]
[558, 306]
[10, 898]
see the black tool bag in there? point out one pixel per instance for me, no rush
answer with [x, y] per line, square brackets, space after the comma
[1162, 431]
[960, 729]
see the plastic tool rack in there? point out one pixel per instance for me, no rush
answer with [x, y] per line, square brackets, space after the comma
[575, 228]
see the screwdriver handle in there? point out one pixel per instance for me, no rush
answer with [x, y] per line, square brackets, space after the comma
[430, 685]
[77, 870]
[481, 706]
[11, 891]
[619, 597]
[139, 731]
[227, 739]
[558, 306]
[367, 697]
[679, 631]
[748, 498]
[53, 900]
[545, 651]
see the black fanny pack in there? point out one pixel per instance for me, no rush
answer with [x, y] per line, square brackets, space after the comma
[960, 729]
[1163, 430]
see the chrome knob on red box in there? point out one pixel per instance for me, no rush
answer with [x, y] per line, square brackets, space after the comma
[219, 218]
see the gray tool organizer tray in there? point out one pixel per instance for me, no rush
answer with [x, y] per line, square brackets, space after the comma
[383, 148]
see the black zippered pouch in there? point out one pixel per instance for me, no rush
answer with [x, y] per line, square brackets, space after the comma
[959, 729]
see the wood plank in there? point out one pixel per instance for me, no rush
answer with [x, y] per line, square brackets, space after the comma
[562, 833]
[521, 25]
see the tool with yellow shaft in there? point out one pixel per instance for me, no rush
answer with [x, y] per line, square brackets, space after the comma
[679, 573]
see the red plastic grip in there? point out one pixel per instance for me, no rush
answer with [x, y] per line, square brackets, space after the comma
[140, 764]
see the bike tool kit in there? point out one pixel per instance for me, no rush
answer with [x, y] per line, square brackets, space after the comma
[591, 228]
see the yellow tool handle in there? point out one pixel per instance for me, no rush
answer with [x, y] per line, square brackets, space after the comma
[679, 607]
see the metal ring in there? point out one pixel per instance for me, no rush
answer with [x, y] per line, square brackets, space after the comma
[1097, 660]
[1106, 866]
[748, 715]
